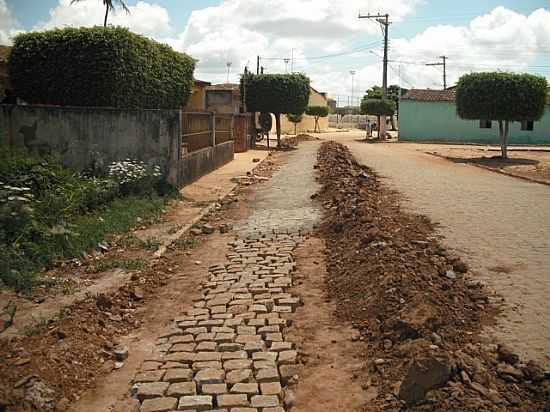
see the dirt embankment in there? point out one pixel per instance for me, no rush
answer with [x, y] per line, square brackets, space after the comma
[414, 303]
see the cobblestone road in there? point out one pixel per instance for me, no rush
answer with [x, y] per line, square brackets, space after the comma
[229, 352]
[284, 202]
[501, 224]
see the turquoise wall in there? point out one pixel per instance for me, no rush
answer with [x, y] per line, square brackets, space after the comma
[438, 122]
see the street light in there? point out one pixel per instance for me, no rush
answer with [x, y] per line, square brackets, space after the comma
[352, 72]
[228, 64]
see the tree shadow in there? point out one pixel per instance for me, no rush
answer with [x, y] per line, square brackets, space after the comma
[494, 161]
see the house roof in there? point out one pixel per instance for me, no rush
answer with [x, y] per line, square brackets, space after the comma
[323, 94]
[201, 82]
[428, 95]
[224, 86]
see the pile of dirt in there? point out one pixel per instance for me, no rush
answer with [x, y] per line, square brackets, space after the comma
[414, 302]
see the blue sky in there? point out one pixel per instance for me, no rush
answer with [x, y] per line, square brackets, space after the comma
[325, 37]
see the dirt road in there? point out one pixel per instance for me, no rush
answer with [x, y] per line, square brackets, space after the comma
[499, 224]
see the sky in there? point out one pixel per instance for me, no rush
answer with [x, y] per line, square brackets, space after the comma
[322, 38]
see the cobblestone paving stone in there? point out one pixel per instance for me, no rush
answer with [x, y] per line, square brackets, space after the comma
[229, 352]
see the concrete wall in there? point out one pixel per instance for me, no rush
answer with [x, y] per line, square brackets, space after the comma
[95, 137]
[306, 125]
[222, 101]
[438, 122]
[197, 164]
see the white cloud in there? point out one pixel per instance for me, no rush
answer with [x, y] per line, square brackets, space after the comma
[239, 30]
[8, 24]
[501, 39]
[145, 18]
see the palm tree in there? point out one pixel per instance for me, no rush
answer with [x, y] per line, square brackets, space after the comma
[109, 6]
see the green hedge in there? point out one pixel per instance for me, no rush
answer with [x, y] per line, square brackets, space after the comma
[99, 67]
[501, 96]
[377, 107]
[276, 93]
[317, 111]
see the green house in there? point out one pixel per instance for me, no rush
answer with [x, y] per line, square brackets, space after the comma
[430, 116]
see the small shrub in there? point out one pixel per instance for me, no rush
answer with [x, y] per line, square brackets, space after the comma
[135, 177]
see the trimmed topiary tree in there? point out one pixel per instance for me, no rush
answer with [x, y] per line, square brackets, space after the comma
[101, 67]
[277, 94]
[505, 97]
[317, 112]
[377, 107]
[295, 118]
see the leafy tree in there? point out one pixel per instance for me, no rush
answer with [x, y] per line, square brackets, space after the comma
[377, 107]
[505, 97]
[375, 92]
[109, 6]
[317, 112]
[277, 94]
[295, 118]
[348, 110]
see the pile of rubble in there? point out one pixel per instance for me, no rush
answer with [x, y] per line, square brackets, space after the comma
[414, 302]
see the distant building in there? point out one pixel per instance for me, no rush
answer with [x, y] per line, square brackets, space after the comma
[224, 98]
[197, 100]
[307, 124]
[430, 115]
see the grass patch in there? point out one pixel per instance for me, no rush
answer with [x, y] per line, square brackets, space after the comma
[50, 213]
[20, 265]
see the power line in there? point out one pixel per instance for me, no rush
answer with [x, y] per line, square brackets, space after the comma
[444, 64]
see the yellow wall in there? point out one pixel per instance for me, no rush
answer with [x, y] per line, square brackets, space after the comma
[197, 100]
[308, 122]
[316, 99]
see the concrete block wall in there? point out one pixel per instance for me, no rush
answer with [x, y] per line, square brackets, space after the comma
[94, 137]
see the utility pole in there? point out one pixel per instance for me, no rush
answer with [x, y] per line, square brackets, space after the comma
[292, 61]
[286, 64]
[258, 65]
[384, 20]
[352, 72]
[444, 64]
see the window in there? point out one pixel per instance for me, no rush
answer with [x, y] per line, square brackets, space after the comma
[485, 124]
[527, 125]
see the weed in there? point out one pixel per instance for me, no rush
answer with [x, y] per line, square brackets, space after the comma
[186, 243]
[124, 264]
[10, 309]
[36, 327]
[151, 243]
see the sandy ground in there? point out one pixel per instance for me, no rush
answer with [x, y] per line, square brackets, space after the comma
[497, 223]
[333, 377]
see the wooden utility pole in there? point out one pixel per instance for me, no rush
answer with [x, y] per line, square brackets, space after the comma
[258, 65]
[384, 20]
[444, 64]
